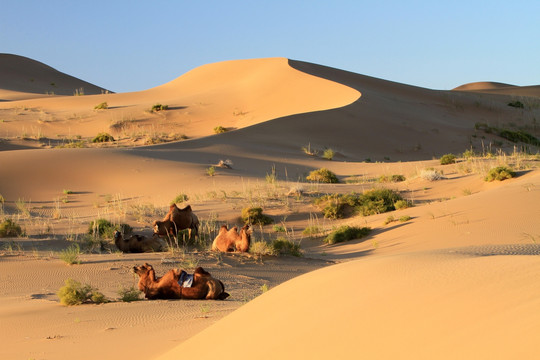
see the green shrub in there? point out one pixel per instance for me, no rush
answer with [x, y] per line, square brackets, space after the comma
[404, 218]
[279, 228]
[75, 293]
[516, 104]
[9, 228]
[261, 248]
[312, 231]
[448, 159]
[282, 246]
[180, 198]
[211, 171]
[220, 129]
[103, 137]
[159, 107]
[104, 228]
[322, 175]
[402, 204]
[328, 154]
[500, 173]
[101, 106]
[129, 294]
[71, 255]
[346, 233]
[391, 178]
[255, 216]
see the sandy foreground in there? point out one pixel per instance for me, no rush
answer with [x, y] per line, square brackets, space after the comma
[457, 279]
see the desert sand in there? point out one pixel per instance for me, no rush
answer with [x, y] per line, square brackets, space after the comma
[457, 278]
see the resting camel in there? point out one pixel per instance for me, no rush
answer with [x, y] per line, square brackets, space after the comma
[137, 243]
[176, 220]
[230, 240]
[170, 285]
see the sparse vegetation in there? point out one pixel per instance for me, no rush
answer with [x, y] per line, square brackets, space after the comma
[391, 178]
[104, 228]
[254, 215]
[309, 151]
[129, 294]
[159, 107]
[260, 248]
[71, 255]
[283, 246]
[312, 231]
[322, 175]
[403, 204]
[9, 228]
[211, 171]
[180, 198]
[404, 218]
[431, 175]
[328, 154]
[75, 293]
[500, 173]
[101, 106]
[220, 129]
[516, 104]
[448, 159]
[346, 233]
[103, 137]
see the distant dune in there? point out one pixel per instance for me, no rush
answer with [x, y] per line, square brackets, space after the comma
[23, 75]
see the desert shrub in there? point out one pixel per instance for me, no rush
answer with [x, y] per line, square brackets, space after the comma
[254, 215]
[9, 228]
[389, 219]
[261, 248]
[180, 198]
[322, 175]
[500, 173]
[448, 159]
[346, 233]
[312, 231]
[129, 294]
[516, 104]
[391, 178]
[404, 218]
[328, 154]
[159, 107]
[75, 293]
[71, 255]
[211, 171]
[220, 129]
[104, 228]
[279, 228]
[431, 175]
[103, 137]
[519, 136]
[283, 246]
[101, 106]
[371, 202]
[402, 204]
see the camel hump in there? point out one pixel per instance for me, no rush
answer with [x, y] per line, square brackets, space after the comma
[199, 270]
[187, 208]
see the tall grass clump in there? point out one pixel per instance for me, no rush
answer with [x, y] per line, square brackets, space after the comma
[260, 248]
[346, 233]
[448, 159]
[431, 175]
[9, 228]
[71, 255]
[500, 173]
[75, 293]
[391, 178]
[104, 228]
[254, 215]
[322, 175]
[283, 246]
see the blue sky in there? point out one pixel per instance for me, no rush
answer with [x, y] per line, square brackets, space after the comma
[135, 45]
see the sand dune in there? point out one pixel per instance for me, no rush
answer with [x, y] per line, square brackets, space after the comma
[457, 279]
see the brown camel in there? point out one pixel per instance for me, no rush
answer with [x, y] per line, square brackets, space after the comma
[137, 243]
[231, 240]
[176, 220]
[169, 286]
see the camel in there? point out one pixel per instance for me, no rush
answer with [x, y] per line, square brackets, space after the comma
[230, 240]
[169, 286]
[137, 243]
[176, 220]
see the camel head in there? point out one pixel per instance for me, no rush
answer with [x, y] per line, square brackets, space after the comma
[162, 228]
[117, 235]
[143, 270]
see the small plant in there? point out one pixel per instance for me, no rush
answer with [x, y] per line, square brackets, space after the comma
[328, 154]
[180, 198]
[279, 228]
[260, 248]
[404, 218]
[322, 175]
[220, 129]
[391, 178]
[346, 233]
[272, 177]
[264, 288]
[448, 159]
[312, 231]
[103, 137]
[101, 106]
[254, 215]
[389, 219]
[75, 293]
[104, 228]
[309, 151]
[129, 294]
[71, 255]
[402, 204]
[67, 192]
[500, 173]
[211, 171]
[159, 107]
[516, 104]
[9, 228]
[283, 246]
[431, 175]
